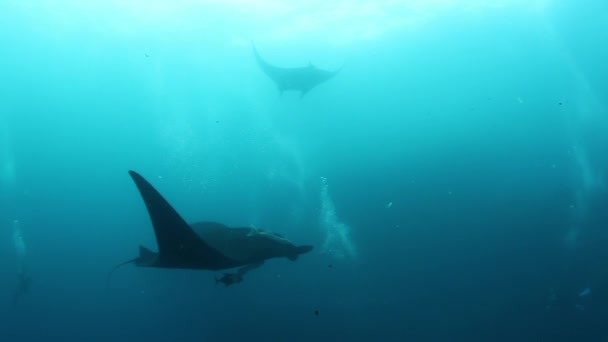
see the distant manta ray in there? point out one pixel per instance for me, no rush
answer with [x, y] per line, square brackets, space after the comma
[205, 245]
[301, 79]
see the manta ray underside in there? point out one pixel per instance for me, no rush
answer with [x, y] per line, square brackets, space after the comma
[205, 245]
[301, 79]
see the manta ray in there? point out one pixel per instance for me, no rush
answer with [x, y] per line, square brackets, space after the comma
[205, 245]
[301, 79]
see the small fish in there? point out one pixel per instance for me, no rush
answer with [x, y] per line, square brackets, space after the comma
[229, 279]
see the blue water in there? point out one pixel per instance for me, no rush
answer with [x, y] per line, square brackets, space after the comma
[453, 177]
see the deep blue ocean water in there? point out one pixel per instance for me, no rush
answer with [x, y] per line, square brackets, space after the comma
[453, 177]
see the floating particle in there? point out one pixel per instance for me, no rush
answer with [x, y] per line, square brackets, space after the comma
[317, 313]
[585, 292]
[390, 204]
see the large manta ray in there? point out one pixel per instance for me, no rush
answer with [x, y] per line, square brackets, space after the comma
[205, 245]
[301, 79]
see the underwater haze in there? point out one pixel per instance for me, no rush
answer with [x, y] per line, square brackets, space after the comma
[452, 176]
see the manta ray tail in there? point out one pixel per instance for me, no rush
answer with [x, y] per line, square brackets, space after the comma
[109, 278]
[146, 257]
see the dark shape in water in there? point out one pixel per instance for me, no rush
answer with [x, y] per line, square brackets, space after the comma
[229, 279]
[204, 245]
[235, 278]
[301, 79]
[23, 287]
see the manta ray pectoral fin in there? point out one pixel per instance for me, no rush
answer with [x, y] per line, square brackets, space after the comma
[299, 250]
[178, 245]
